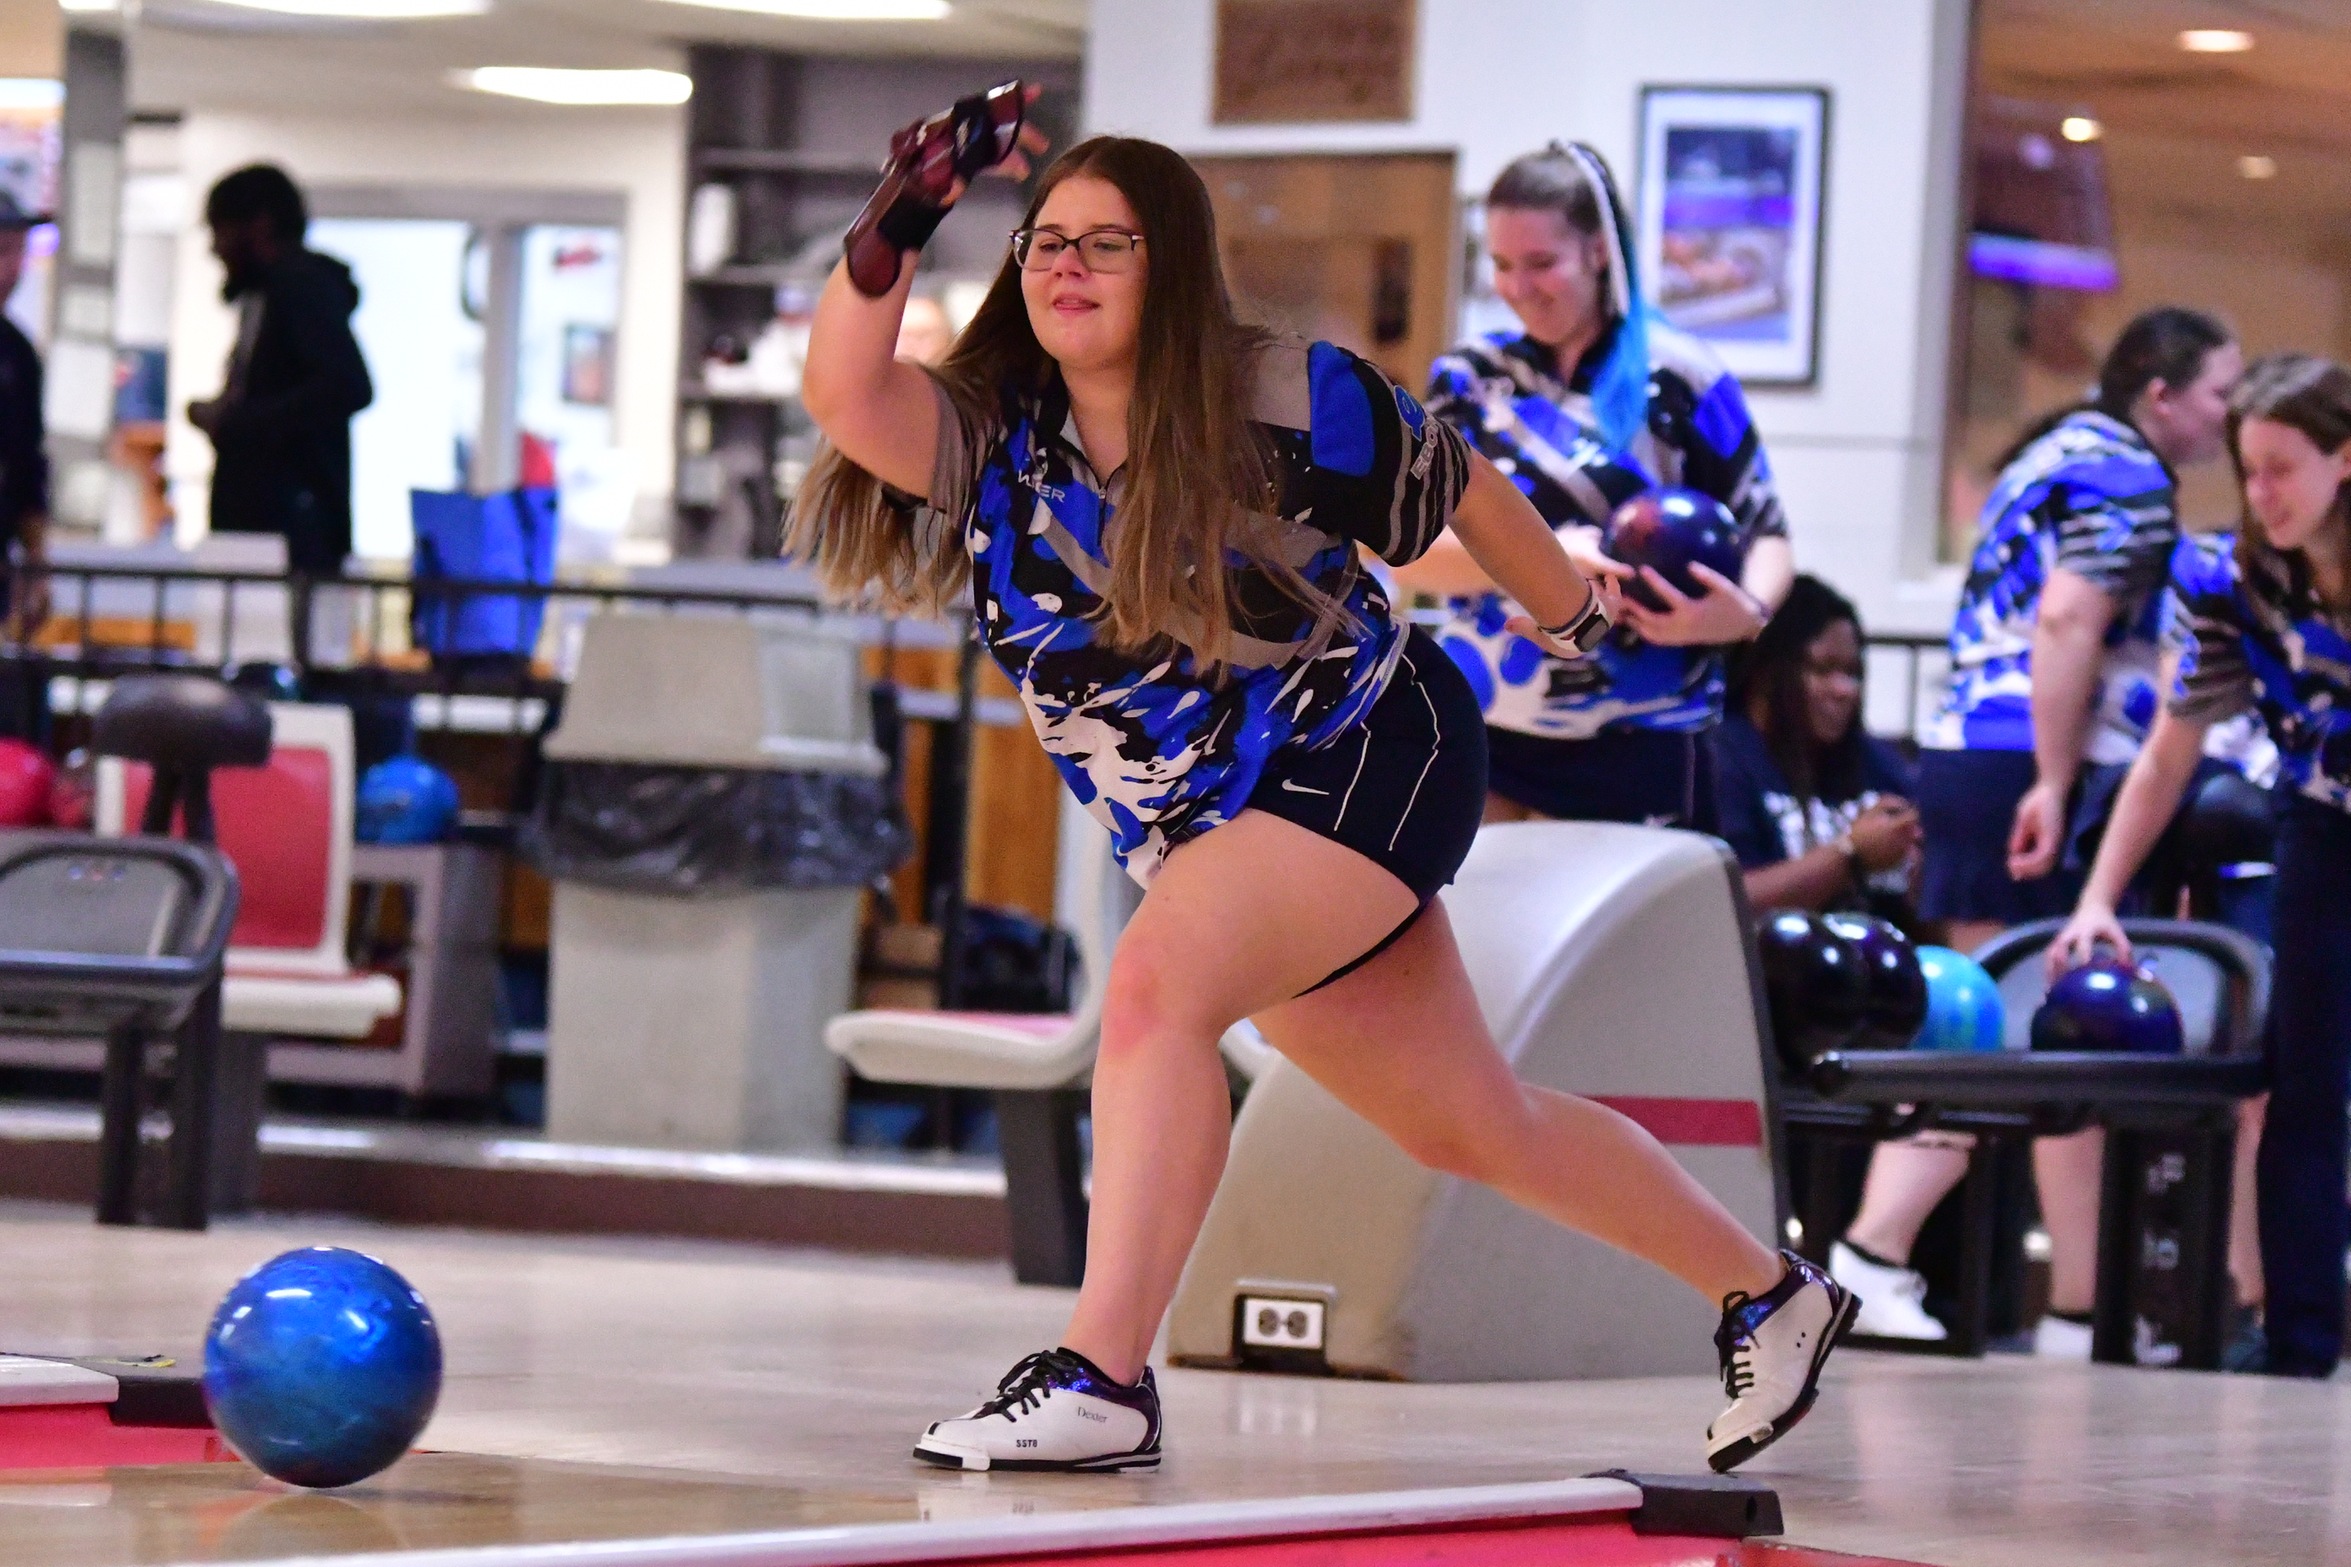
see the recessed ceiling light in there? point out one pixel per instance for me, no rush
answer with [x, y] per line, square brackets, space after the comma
[2215, 40]
[833, 10]
[541, 84]
[2080, 127]
[2256, 167]
[76, 7]
[365, 10]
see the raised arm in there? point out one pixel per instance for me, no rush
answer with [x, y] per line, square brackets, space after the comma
[879, 411]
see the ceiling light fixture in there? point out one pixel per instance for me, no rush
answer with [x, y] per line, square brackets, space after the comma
[601, 89]
[2254, 166]
[365, 10]
[82, 7]
[833, 10]
[2080, 127]
[31, 92]
[2215, 40]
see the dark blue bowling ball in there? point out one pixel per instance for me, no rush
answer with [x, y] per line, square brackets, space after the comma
[2108, 1004]
[1673, 530]
[321, 1366]
[1895, 1007]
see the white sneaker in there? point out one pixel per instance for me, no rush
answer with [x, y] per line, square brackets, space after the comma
[2054, 1338]
[1772, 1348]
[1055, 1410]
[1893, 1300]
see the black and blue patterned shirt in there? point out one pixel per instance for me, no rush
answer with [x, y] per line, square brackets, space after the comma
[1155, 747]
[2090, 496]
[1506, 395]
[2262, 640]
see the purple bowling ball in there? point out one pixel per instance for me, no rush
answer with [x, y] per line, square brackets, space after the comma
[2110, 1005]
[1673, 530]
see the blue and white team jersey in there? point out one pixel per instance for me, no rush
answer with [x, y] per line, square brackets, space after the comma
[1506, 395]
[1155, 747]
[2093, 497]
[2260, 639]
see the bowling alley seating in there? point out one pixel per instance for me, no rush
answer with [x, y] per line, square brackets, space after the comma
[287, 827]
[2163, 1287]
[1035, 1064]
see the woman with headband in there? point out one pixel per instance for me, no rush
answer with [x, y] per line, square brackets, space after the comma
[1593, 402]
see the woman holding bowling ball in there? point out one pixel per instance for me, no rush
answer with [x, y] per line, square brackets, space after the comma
[1594, 401]
[1156, 509]
[2263, 622]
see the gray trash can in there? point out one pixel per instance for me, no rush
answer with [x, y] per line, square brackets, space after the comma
[712, 810]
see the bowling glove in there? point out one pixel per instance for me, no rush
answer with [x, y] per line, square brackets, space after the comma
[926, 159]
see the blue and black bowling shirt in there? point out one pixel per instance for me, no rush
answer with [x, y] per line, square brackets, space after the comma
[2260, 639]
[2093, 497]
[1507, 396]
[1156, 748]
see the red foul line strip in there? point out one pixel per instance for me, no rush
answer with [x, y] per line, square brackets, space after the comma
[1693, 1123]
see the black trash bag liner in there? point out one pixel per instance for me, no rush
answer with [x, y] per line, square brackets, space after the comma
[694, 831]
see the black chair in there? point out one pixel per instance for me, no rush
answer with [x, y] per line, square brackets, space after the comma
[2163, 1287]
[125, 938]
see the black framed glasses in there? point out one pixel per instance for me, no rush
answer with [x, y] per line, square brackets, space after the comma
[1100, 250]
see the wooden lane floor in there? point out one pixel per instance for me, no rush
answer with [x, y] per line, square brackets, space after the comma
[742, 1369]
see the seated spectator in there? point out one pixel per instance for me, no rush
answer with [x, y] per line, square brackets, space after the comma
[1817, 809]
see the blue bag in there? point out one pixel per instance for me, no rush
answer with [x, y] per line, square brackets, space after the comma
[507, 537]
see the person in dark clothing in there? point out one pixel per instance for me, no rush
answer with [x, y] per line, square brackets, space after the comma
[24, 461]
[281, 426]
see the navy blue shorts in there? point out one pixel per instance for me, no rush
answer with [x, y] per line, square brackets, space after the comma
[1406, 788]
[1966, 808]
[1647, 777]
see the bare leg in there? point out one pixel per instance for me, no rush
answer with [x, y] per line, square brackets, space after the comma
[1967, 935]
[1240, 921]
[1906, 1181]
[2244, 1227]
[1401, 1042]
[2066, 1169]
[1501, 810]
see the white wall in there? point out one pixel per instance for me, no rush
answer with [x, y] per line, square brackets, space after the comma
[638, 153]
[1860, 453]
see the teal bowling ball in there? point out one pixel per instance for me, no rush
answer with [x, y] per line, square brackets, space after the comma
[1964, 1009]
[321, 1367]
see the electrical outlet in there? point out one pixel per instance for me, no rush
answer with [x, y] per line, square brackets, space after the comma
[1271, 1322]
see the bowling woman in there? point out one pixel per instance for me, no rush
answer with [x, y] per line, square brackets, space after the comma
[1156, 509]
[1593, 401]
[2264, 622]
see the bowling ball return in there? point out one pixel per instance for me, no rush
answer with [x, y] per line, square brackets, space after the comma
[124, 939]
[2162, 1288]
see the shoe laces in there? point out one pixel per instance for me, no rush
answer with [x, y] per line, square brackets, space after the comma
[1734, 1344]
[1025, 1387]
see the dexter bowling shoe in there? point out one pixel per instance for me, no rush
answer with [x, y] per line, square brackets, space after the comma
[1772, 1348]
[1054, 1410]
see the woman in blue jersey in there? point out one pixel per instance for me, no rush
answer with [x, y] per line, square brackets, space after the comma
[1593, 402]
[2053, 649]
[1157, 511]
[2264, 622]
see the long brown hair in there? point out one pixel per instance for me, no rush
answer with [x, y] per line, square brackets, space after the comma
[1200, 476]
[2305, 393]
[2168, 343]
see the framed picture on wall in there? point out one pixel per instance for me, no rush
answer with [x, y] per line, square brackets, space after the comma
[1729, 222]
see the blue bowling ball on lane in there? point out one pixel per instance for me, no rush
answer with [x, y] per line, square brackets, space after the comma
[2108, 1004]
[322, 1366]
[1964, 1009]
